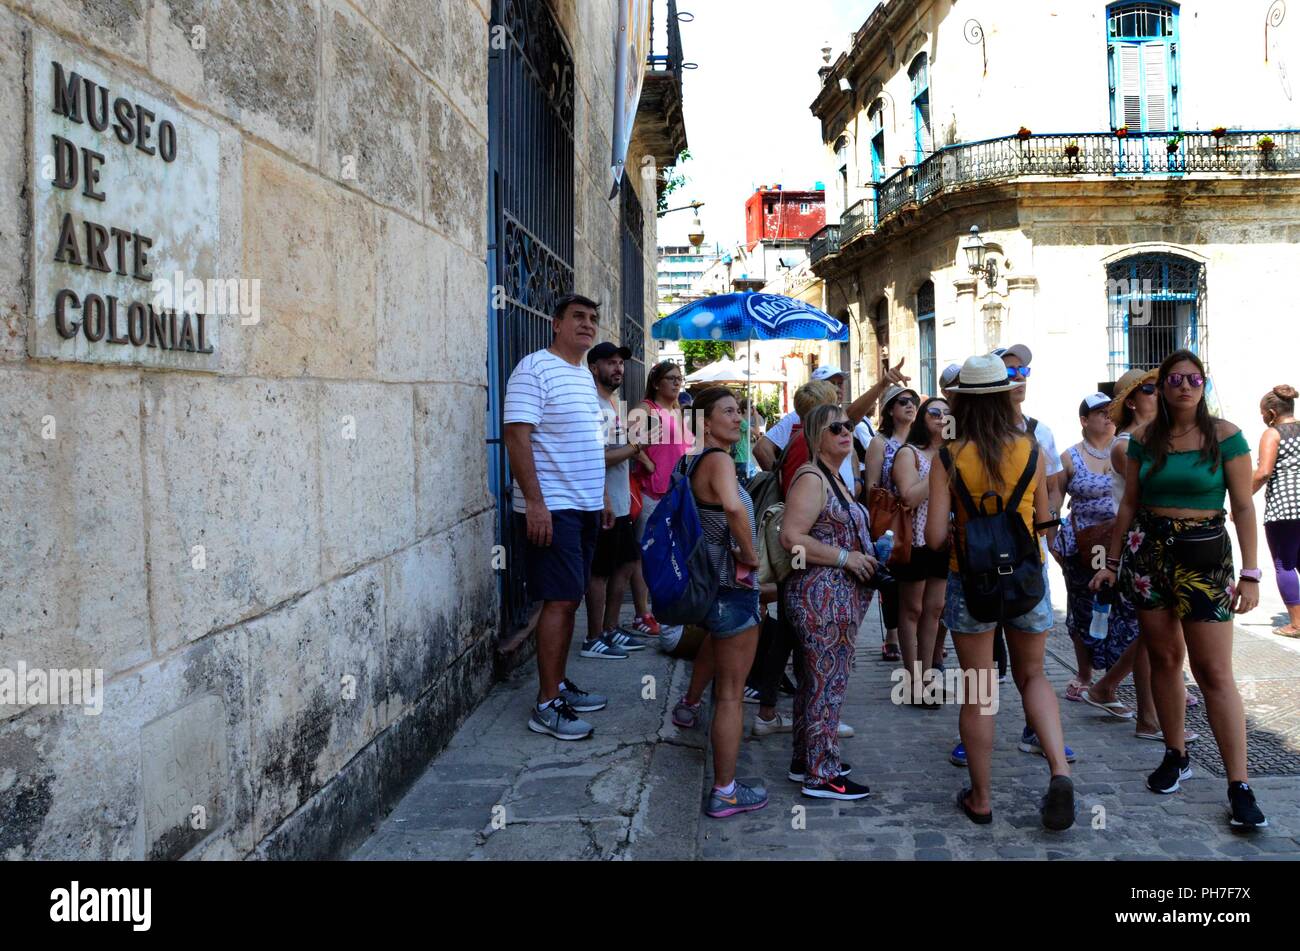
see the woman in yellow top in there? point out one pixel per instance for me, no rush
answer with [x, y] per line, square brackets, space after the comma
[1169, 551]
[993, 457]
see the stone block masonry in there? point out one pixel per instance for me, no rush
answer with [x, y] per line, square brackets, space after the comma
[279, 553]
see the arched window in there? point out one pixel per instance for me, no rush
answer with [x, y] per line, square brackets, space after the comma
[925, 336]
[877, 116]
[1142, 50]
[1155, 303]
[919, 73]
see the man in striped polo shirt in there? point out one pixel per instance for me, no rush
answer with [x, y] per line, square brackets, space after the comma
[554, 433]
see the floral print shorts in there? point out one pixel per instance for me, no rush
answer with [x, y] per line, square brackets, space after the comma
[1153, 580]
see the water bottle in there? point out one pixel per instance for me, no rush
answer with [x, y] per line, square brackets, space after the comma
[885, 546]
[1100, 615]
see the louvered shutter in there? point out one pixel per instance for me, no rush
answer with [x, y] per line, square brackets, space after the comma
[1129, 89]
[1155, 71]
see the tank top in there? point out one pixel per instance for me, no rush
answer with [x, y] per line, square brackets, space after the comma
[718, 539]
[1092, 502]
[1282, 495]
[967, 461]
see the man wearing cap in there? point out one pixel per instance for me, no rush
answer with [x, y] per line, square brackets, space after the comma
[557, 457]
[775, 439]
[947, 379]
[617, 552]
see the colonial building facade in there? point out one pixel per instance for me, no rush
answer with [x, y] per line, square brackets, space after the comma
[255, 564]
[1131, 167]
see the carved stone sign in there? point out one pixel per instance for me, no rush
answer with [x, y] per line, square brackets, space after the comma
[183, 774]
[125, 219]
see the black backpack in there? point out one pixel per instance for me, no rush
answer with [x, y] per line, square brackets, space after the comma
[998, 558]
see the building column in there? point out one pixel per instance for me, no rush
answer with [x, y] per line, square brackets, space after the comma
[966, 288]
[1021, 293]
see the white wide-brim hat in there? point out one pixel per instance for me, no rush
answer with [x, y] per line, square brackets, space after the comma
[984, 374]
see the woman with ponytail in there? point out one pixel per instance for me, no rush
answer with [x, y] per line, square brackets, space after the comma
[1279, 469]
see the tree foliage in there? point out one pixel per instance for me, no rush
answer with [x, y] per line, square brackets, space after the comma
[699, 353]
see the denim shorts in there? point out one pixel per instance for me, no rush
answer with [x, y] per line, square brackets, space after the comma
[735, 612]
[958, 620]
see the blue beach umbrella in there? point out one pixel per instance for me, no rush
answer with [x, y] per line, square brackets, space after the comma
[749, 316]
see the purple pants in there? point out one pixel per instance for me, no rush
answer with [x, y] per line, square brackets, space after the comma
[1284, 545]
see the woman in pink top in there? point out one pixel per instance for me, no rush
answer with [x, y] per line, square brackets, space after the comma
[657, 423]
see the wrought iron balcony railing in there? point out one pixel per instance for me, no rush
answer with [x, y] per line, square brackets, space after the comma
[670, 59]
[1102, 154]
[824, 242]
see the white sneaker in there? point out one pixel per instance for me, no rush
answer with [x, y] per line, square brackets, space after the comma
[670, 635]
[778, 724]
[845, 731]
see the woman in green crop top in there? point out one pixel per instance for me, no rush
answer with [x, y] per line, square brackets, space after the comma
[1170, 553]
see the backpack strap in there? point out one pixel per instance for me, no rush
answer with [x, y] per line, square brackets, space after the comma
[1031, 468]
[958, 486]
[1031, 427]
[688, 468]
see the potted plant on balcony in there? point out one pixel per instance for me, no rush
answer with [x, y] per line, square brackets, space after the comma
[1122, 131]
[1218, 132]
[1072, 150]
[1023, 134]
[1171, 145]
[1266, 144]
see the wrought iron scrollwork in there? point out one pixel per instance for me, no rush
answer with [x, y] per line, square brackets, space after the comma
[1272, 20]
[974, 34]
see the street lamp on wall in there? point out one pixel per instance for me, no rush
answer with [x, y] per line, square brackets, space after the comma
[978, 261]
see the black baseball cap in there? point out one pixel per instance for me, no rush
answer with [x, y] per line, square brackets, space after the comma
[604, 350]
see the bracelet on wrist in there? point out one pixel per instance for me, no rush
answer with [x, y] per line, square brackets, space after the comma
[843, 559]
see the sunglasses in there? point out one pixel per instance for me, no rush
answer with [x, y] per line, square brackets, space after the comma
[904, 401]
[936, 412]
[1147, 388]
[1021, 372]
[1175, 380]
[840, 428]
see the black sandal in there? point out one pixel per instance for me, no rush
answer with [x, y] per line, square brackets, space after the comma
[891, 654]
[979, 818]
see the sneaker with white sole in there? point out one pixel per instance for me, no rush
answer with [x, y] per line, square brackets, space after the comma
[581, 700]
[602, 648]
[841, 788]
[1173, 769]
[557, 719]
[1244, 813]
[1029, 744]
[751, 695]
[646, 626]
[778, 724]
[742, 799]
[624, 641]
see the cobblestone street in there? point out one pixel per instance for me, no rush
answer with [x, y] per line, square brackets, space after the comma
[634, 790]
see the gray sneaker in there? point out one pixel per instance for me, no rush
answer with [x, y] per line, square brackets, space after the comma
[624, 641]
[579, 699]
[559, 720]
[602, 648]
[744, 799]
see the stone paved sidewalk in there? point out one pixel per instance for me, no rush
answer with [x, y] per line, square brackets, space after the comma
[635, 789]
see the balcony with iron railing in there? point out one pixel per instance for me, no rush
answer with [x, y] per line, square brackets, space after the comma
[1089, 155]
[659, 112]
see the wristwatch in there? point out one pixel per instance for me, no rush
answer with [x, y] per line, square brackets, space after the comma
[1251, 574]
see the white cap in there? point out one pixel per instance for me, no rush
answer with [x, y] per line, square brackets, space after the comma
[1094, 402]
[1018, 350]
[825, 373]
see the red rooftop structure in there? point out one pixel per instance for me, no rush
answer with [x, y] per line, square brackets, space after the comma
[772, 213]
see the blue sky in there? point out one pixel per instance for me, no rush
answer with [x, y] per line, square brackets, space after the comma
[746, 106]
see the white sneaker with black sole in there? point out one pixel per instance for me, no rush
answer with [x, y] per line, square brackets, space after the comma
[602, 648]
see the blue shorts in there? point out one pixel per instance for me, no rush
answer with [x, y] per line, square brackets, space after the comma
[958, 620]
[735, 612]
[560, 571]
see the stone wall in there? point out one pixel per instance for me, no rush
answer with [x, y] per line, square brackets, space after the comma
[281, 564]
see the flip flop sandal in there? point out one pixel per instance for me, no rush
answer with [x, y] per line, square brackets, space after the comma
[1159, 736]
[892, 654]
[1114, 708]
[1074, 690]
[979, 818]
[1286, 631]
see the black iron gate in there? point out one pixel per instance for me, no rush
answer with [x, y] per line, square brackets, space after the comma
[632, 278]
[530, 214]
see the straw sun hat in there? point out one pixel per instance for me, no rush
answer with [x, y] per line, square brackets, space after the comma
[984, 374]
[1125, 385]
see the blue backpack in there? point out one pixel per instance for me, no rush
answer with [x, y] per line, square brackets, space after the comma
[675, 562]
